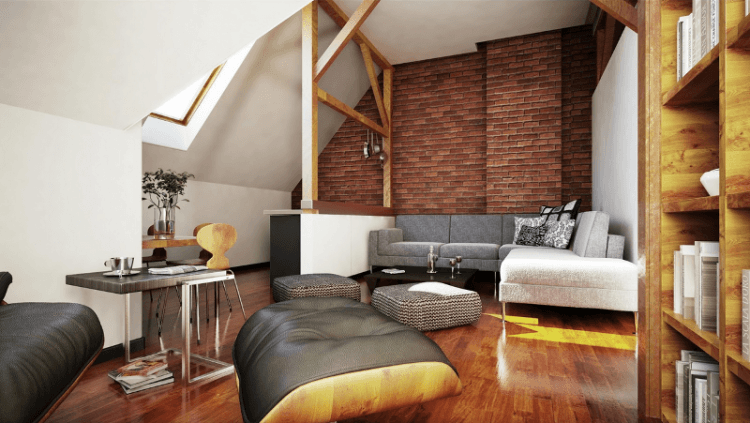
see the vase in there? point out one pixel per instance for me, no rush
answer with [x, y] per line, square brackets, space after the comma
[164, 222]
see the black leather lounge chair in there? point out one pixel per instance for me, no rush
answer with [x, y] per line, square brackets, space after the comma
[44, 350]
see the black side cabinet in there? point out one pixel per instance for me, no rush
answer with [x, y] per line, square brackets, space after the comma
[285, 246]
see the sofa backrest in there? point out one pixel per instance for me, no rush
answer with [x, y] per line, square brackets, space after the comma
[425, 228]
[590, 234]
[477, 228]
[509, 226]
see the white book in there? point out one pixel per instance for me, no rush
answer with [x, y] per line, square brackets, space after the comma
[746, 314]
[679, 390]
[698, 400]
[677, 291]
[718, 298]
[688, 61]
[688, 281]
[714, 24]
[705, 27]
[747, 7]
[706, 262]
[712, 393]
[696, 31]
[680, 26]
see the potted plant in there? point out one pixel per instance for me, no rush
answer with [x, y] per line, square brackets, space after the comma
[163, 190]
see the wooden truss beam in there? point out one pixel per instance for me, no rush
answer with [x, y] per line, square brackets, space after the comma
[375, 85]
[387, 145]
[309, 102]
[347, 111]
[620, 10]
[343, 37]
[341, 19]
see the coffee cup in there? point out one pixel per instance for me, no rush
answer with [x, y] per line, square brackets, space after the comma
[121, 265]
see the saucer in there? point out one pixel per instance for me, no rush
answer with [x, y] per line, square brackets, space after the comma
[125, 273]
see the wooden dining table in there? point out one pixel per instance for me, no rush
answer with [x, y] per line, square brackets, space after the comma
[151, 241]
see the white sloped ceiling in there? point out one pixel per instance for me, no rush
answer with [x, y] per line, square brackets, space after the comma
[112, 62]
[252, 137]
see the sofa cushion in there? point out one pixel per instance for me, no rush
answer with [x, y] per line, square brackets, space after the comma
[561, 213]
[387, 237]
[425, 228]
[532, 235]
[509, 226]
[479, 251]
[410, 249]
[525, 221]
[559, 233]
[563, 268]
[473, 228]
[504, 250]
[590, 234]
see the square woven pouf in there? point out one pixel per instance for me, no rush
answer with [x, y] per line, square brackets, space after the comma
[315, 285]
[428, 305]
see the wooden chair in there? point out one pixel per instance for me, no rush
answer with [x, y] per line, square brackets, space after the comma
[203, 258]
[217, 238]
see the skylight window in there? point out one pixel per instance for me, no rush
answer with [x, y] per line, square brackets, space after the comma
[181, 108]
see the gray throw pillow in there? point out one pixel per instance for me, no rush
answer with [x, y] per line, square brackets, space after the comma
[559, 233]
[532, 235]
[528, 221]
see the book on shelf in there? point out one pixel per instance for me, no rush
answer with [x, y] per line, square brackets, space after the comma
[699, 400]
[175, 270]
[714, 30]
[679, 389]
[677, 290]
[688, 281]
[696, 38]
[706, 287]
[712, 397]
[705, 23]
[746, 314]
[696, 365]
[747, 7]
[131, 384]
[684, 45]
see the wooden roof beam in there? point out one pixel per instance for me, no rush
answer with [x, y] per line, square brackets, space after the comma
[343, 37]
[347, 111]
[375, 85]
[620, 10]
[341, 19]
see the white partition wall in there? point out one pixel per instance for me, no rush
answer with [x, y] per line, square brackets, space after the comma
[337, 243]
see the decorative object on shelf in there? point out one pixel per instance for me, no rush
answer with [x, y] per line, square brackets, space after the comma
[163, 190]
[458, 264]
[374, 147]
[431, 258]
[452, 262]
[710, 181]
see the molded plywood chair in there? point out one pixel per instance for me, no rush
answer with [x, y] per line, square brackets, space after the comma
[217, 239]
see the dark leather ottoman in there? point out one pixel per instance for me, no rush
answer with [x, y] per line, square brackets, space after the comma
[44, 349]
[324, 359]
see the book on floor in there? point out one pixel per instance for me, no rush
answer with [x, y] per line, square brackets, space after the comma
[137, 383]
[142, 368]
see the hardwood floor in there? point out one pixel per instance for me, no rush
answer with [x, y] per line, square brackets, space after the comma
[547, 364]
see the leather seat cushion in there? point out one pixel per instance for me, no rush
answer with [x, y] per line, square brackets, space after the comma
[44, 347]
[286, 345]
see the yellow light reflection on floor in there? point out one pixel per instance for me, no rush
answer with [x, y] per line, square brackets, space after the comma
[570, 336]
[516, 319]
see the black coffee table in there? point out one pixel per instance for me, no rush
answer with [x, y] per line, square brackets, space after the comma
[419, 274]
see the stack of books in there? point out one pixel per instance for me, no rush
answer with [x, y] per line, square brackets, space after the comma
[697, 34]
[696, 388]
[696, 284]
[140, 375]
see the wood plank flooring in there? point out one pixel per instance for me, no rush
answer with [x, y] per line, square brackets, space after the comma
[546, 364]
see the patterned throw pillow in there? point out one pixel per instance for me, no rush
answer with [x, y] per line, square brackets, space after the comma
[559, 233]
[528, 221]
[560, 213]
[532, 235]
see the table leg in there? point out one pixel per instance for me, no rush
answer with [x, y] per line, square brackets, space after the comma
[126, 335]
[186, 334]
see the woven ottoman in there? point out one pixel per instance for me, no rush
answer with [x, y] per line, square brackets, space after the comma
[428, 305]
[314, 285]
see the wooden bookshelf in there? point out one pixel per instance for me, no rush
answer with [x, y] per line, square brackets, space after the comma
[690, 204]
[704, 125]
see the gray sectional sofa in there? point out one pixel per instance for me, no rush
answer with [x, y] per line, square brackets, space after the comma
[590, 273]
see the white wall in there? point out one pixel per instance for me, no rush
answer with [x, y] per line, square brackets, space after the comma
[615, 143]
[240, 207]
[70, 193]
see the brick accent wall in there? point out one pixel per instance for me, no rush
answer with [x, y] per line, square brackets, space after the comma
[503, 130]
